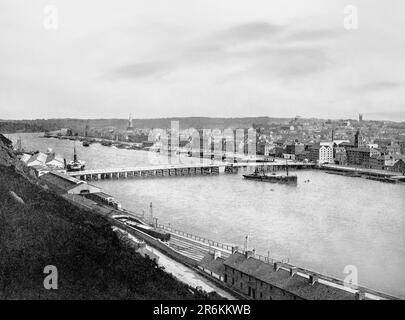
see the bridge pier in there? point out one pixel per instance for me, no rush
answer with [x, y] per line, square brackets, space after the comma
[191, 170]
[230, 169]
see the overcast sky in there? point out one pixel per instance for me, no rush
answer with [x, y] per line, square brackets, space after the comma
[233, 58]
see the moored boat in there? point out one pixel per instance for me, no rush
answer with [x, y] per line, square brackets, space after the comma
[75, 165]
[106, 143]
[275, 178]
[271, 178]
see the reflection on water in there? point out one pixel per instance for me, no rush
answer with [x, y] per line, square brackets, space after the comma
[325, 224]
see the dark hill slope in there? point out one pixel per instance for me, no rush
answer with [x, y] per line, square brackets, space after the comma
[92, 263]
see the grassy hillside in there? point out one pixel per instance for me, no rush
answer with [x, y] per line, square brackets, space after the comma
[92, 263]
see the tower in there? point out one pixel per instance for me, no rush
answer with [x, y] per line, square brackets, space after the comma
[357, 139]
[129, 122]
[150, 214]
[360, 117]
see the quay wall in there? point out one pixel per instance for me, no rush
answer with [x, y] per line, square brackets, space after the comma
[160, 245]
[177, 256]
[359, 170]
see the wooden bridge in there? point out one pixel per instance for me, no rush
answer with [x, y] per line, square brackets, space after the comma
[181, 170]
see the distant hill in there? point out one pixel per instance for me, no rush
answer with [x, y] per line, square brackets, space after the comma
[398, 116]
[39, 125]
[207, 123]
[78, 125]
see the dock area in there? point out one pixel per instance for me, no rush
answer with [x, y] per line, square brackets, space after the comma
[368, 173]
[182, 170]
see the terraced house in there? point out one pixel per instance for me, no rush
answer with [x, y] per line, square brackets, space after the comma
[261, 280]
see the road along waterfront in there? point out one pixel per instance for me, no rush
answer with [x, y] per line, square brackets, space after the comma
[324, 225]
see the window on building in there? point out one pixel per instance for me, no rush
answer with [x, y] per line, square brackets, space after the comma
[241, 285]
[233, 281]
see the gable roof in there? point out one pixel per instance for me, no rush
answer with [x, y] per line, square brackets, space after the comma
[53, 156]
[296, 284]
[41, 157]
[214, 265]
[25, 157]
[61, 181]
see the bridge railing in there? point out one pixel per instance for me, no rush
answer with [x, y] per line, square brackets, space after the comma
[197, 238]
[267, 259]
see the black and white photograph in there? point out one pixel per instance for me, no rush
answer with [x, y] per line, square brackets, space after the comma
[209, 152]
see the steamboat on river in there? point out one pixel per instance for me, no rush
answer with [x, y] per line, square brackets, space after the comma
[259, 175]
[76, 164]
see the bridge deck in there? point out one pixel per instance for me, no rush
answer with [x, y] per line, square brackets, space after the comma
[183, 166]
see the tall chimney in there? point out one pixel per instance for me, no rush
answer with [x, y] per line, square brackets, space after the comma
[217, 254]
[246, 243]
[313, 278]
[277, 266]
[150, 213]
[360, 295]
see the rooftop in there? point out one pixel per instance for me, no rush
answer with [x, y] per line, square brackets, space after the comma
[359, 149]
[61, 181]
[296, 284]
[41, 157]
[214, 265]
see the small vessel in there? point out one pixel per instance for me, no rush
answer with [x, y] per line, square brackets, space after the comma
[106, 143]
[261, 176]
[75, 165]
[122, 146]
[86, 143]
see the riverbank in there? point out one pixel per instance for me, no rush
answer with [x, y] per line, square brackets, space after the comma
[38, 228]
[325, 224]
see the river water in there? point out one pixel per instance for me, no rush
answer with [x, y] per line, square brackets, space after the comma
[324, 225]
